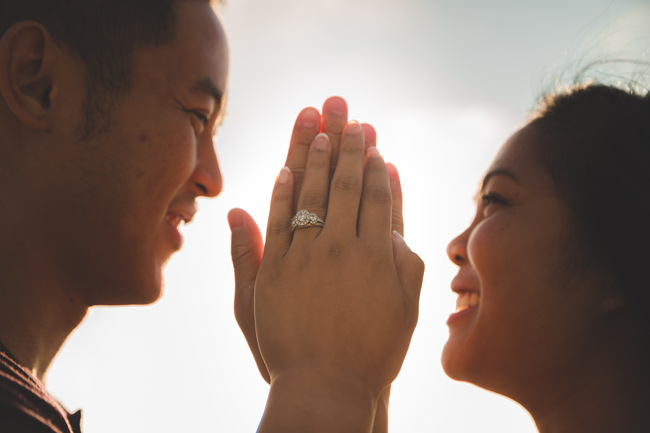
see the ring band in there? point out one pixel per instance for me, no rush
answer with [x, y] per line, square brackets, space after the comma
[304, 219]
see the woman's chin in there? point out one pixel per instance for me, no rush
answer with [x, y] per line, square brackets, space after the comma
[453, 363]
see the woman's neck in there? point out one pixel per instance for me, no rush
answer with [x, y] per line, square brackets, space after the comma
[609, 394]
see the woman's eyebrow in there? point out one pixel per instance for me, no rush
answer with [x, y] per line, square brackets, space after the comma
[492, 173]
[498, 172]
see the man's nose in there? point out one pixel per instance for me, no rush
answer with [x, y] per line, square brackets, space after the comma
[207, 175]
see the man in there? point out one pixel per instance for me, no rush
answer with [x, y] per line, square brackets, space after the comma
[107, 140]
[107, 118]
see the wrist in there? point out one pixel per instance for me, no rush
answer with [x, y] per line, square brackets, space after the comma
[302, 401]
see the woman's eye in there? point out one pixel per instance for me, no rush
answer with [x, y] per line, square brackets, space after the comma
[489, 199]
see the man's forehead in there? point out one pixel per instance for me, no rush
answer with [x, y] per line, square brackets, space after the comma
[196, 61]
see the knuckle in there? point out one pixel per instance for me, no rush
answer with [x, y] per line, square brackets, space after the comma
[352, 146]
[314, 199]
[335, 250]
[397, 218]
[243, 308]
[420, 264]
[240, 253]
[376, 255]
[318, 160]
[347, 183]
[299, 263]
[417, 264]
[377, 194]
[298, 177]
[279, 227]
[298, 171]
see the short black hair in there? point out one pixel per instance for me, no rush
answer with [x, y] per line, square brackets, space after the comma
[104, 34]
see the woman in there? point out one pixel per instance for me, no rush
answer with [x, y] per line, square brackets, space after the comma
[552, 290]
[552, 279]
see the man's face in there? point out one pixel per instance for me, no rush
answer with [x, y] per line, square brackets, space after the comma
[136, 183]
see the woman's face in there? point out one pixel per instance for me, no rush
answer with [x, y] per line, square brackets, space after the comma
[521, 317]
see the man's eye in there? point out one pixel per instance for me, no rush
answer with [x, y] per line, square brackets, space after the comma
[198, 120]
[203, 119]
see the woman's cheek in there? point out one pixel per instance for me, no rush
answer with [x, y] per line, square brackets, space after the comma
[485, 243]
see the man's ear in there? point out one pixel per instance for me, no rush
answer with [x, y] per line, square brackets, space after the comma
[613, 302]
[27, 59]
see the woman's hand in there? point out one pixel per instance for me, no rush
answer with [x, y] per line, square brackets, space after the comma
[247, 244]
[335, 307]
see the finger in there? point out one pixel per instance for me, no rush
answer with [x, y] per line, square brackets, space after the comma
[376, 203]
[370, 135]
[381, 415]
[410, 268]
[315, 189]
[278, 230]
[307, 126]
[347, 183]
[246, 251]
[334, 119]
[396, 194]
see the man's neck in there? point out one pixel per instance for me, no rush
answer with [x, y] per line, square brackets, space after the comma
[37, 313]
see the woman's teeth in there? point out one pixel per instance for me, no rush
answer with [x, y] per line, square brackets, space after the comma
[466, 300]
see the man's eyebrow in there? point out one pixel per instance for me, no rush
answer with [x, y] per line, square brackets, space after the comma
[499, 172]
[206, 86]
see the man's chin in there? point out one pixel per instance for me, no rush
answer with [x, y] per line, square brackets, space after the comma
[138, 292]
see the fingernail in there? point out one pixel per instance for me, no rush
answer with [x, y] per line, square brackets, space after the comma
[392, 171]
[320, 142]
[353, 127]
[335, 105]
[373, 152]
[283, 177]
[309, 118]
[236, 222]
[400, 238]
[369, 132]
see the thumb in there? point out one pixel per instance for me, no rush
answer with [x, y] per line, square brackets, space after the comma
[246, 251]
[246, 247]
[410, 267]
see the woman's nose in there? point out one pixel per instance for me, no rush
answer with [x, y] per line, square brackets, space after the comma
[457, 249]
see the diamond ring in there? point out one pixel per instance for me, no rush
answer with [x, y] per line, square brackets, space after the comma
[304, 218]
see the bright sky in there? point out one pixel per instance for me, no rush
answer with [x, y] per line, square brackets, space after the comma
[444, 83]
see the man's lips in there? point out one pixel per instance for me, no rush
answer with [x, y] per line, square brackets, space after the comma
[180, 214]
[177, 215]
[176, 219]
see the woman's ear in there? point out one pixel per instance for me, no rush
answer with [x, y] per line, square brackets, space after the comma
[27, 59]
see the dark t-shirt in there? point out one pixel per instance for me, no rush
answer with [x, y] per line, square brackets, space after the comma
[25, 404]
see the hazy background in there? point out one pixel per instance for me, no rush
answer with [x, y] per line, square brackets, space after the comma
[444, 83]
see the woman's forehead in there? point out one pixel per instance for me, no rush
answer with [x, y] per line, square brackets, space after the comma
[519, 160]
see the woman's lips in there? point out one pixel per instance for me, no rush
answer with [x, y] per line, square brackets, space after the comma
[466, 303]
